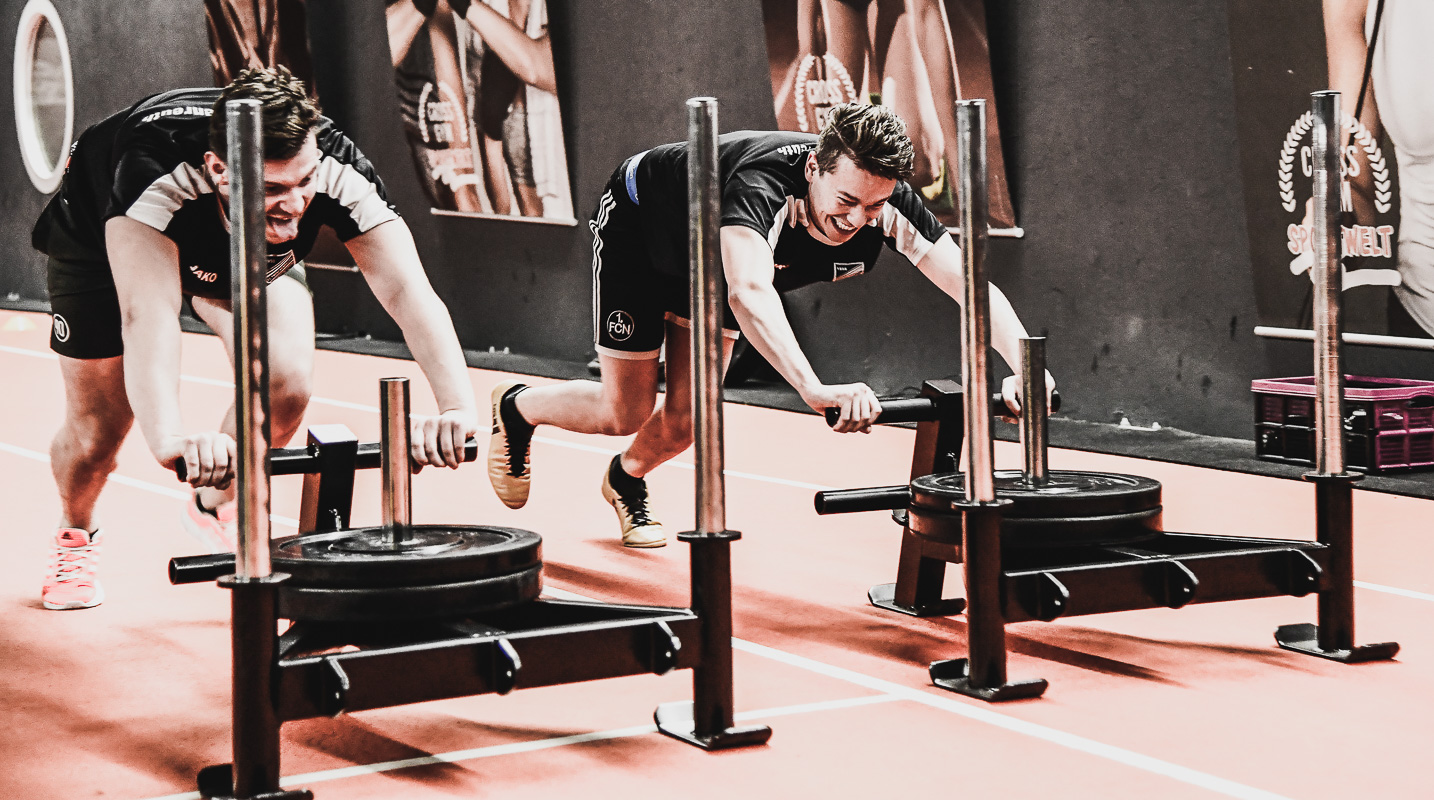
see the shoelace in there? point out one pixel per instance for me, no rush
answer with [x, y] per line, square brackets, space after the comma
[71, 563]
[636, 504]
[518, 442]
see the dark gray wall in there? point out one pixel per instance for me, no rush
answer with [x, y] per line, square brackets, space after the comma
[1119, 126]
[120, 50]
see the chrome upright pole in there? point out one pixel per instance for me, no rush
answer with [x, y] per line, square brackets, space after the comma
[983, 673]
[1328, 281]
[708, 721]
[1033, 410]
[254, 628]
[706, 289]
[394, 442]
[248, 254]
[975, 322]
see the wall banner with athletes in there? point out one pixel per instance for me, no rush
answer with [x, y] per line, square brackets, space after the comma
[258, 33]
[477, 91]
[1281, 52]
[917, 56]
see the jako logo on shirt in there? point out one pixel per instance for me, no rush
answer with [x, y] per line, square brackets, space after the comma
[62, 329]
[841, 270]
[207, 277]
[619, 326]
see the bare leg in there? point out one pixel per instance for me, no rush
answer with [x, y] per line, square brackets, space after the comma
[847, 42]
[668, 431]
[291, 363]
[97, 418]
[617, 406]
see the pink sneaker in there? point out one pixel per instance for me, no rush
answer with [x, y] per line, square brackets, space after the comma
[71, 582]
[217, 529]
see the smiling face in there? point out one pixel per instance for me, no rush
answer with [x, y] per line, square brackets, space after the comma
[843, 199]
[289, 186]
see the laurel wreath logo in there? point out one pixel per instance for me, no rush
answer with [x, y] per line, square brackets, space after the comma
[1378, 168]
[833, 67]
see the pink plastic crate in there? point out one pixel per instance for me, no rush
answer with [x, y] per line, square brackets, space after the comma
[1388, 422]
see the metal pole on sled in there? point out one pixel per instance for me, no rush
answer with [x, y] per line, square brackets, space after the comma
[708, 721]
[1332, 636]
[254, 772]
[983, 673]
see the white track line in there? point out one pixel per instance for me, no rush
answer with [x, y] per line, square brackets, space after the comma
[983, 714]
[1395, 590]
[474, 754]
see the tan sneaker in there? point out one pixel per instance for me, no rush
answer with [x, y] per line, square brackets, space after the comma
[639, 529]
[508, 454]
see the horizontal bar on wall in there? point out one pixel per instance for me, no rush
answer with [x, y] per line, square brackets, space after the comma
[1374, 340]
[1005, 233]
[565, 221]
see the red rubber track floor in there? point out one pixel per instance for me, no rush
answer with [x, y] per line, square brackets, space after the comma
[128, 700]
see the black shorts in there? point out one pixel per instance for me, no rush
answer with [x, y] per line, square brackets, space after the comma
[632, 299]
[86, 318]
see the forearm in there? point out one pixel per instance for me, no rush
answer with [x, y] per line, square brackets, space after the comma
[530, 59]
[151, 375]
[764, 322]
[1006, 329]
[428, 331]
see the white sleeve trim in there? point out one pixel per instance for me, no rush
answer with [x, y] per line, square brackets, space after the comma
[775, 232]
[909, 241]
[156, 205]
[354, 192]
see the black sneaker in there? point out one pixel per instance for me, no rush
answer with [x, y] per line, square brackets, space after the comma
[639, 529]
[508, 453]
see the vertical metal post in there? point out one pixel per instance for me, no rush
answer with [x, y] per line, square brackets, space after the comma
[1328, 281]
[248, 255]
[1034, 410]
[983, 673]
[706, 284]
[394, 442]
[253, 636]
[975, 324]
[1332, 636]
[708, 721]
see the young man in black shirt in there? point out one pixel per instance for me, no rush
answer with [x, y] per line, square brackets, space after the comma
[796, 209]
[139, 223]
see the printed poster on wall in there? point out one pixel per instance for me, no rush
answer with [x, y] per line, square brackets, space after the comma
[917, 56]
[1281, 52]
[477, 92]
[258, 33]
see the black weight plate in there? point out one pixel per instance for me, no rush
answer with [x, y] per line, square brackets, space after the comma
[436, 601]
[945, 526]
[437, 554]
[1067, 494]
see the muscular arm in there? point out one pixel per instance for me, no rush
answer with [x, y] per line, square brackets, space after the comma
[1347, 50]
[942, 266]
[145, 264]
[389, 262]
[748, 267]
[530, 59]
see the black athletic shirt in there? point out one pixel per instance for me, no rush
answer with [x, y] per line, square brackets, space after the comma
[147, 163]
[761, 173]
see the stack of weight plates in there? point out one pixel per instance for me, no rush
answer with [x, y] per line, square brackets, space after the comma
[1072, 509]
[440, 571]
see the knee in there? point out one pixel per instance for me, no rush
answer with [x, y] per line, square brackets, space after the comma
[623, 420]
[289, 395]
[91, 442]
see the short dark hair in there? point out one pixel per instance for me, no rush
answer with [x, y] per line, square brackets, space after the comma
[873, 137]
[289, 113]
